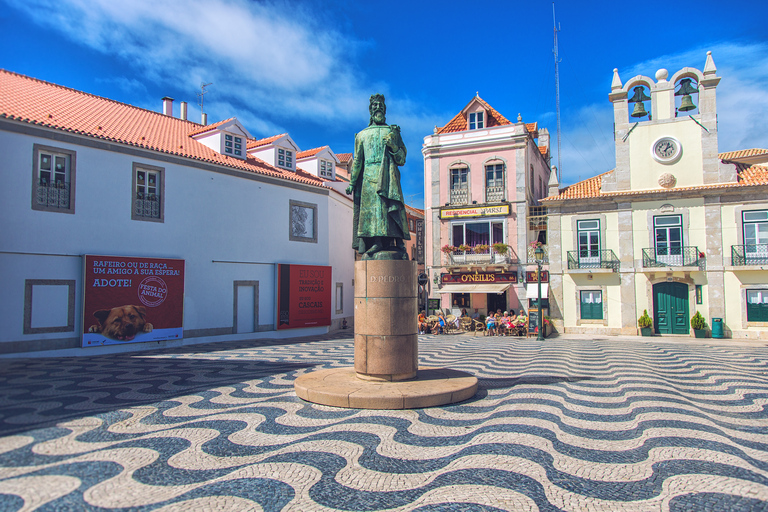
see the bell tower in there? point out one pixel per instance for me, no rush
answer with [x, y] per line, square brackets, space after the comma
[665, 131]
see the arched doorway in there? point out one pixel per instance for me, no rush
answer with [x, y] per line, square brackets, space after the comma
[670, 308]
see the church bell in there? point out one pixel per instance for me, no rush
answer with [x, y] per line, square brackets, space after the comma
[638, 99]
[686, 89]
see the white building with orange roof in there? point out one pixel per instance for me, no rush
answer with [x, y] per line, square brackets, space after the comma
[86, 175]
[484, 176]
[674, 229]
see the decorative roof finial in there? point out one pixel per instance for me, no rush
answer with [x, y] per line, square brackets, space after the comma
[519, 118]
[709, 67]
[616, 83]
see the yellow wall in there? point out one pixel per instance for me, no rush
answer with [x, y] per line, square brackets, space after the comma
[645, 171]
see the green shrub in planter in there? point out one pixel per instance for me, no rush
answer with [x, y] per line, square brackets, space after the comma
[699, 325]
[645, 323]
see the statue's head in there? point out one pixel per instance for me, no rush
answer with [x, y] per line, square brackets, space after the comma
[377, 109]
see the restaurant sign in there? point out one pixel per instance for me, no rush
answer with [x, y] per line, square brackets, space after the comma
[530, 276]
[480, 277]
[474, 211]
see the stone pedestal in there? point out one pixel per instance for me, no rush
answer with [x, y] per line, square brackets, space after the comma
[386, 373]
[386, 328]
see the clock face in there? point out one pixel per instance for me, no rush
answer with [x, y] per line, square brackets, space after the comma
[666, 150]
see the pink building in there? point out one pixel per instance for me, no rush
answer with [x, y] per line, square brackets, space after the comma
[483, 178]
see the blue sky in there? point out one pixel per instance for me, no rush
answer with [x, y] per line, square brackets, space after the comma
[308, 67]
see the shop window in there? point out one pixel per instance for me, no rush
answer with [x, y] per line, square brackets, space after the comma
[591, 305]
[460, 300]
[478, 233]
[53, 184]
[757, 305]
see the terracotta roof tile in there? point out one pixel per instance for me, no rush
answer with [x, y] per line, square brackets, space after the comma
[748, 176]
[33, 101]
[209, 127]
[533, 129]
[543, 149]
[263, 142]
[459, 122]
[742, 153]
[344, 157]
[310, 152]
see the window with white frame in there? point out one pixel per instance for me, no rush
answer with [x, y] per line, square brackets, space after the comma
[233, 145]
[459, 185]
[589, 240]
[755, 226]
[476, 120]
[591, 304]
[285, 158]
[494, 182]
[757, 305]
[668, 235]
[53, 183]
[326, 169]
[473, 233]
[147, 193]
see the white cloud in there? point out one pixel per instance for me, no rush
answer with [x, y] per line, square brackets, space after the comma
[268, 57]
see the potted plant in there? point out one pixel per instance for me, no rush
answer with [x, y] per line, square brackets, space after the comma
[464, 248]
[448, 249]
[500, 248]
[645, 323]
[481, 248]
[699, 325]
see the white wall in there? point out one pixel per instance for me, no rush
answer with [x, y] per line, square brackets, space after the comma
[208, 216]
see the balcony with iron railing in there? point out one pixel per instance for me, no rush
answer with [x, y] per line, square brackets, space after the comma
[53, 195]
[480, 257]
[459, 196]
[750, 254]
[494, 194]
[593, 260]
[689, 256]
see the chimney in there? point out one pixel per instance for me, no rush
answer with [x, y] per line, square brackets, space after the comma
[183, 112]
[168, 106]
[205, 119]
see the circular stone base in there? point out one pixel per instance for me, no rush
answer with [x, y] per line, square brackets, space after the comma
[340, 387]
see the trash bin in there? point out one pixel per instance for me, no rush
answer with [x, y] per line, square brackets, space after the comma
[717, 327]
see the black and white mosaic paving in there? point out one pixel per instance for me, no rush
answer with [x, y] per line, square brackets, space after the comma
[564, 424]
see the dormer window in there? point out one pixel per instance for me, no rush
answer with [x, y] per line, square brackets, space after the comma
[285, 158]
[233, 145]
[476, 120]
[326, 169]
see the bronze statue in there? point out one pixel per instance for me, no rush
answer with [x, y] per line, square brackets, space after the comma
[379, 223]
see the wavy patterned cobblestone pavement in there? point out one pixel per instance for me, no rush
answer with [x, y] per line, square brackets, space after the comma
[564, 424]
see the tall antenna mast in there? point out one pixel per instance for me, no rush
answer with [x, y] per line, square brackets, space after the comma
[557, 94]
[202, 93]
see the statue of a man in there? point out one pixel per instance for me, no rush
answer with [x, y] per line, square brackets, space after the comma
[379, 222]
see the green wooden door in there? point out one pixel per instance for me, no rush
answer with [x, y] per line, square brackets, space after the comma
[670, 305]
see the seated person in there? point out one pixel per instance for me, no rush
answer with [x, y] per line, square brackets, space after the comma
[476, 315]
[490, 325]
[440, 323]
[422, 319]
[506, 322]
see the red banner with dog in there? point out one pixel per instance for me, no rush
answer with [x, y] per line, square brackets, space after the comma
[132, 300]
[303, 296]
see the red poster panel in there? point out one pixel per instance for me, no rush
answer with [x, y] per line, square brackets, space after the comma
[131, 300]
[303, 296]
